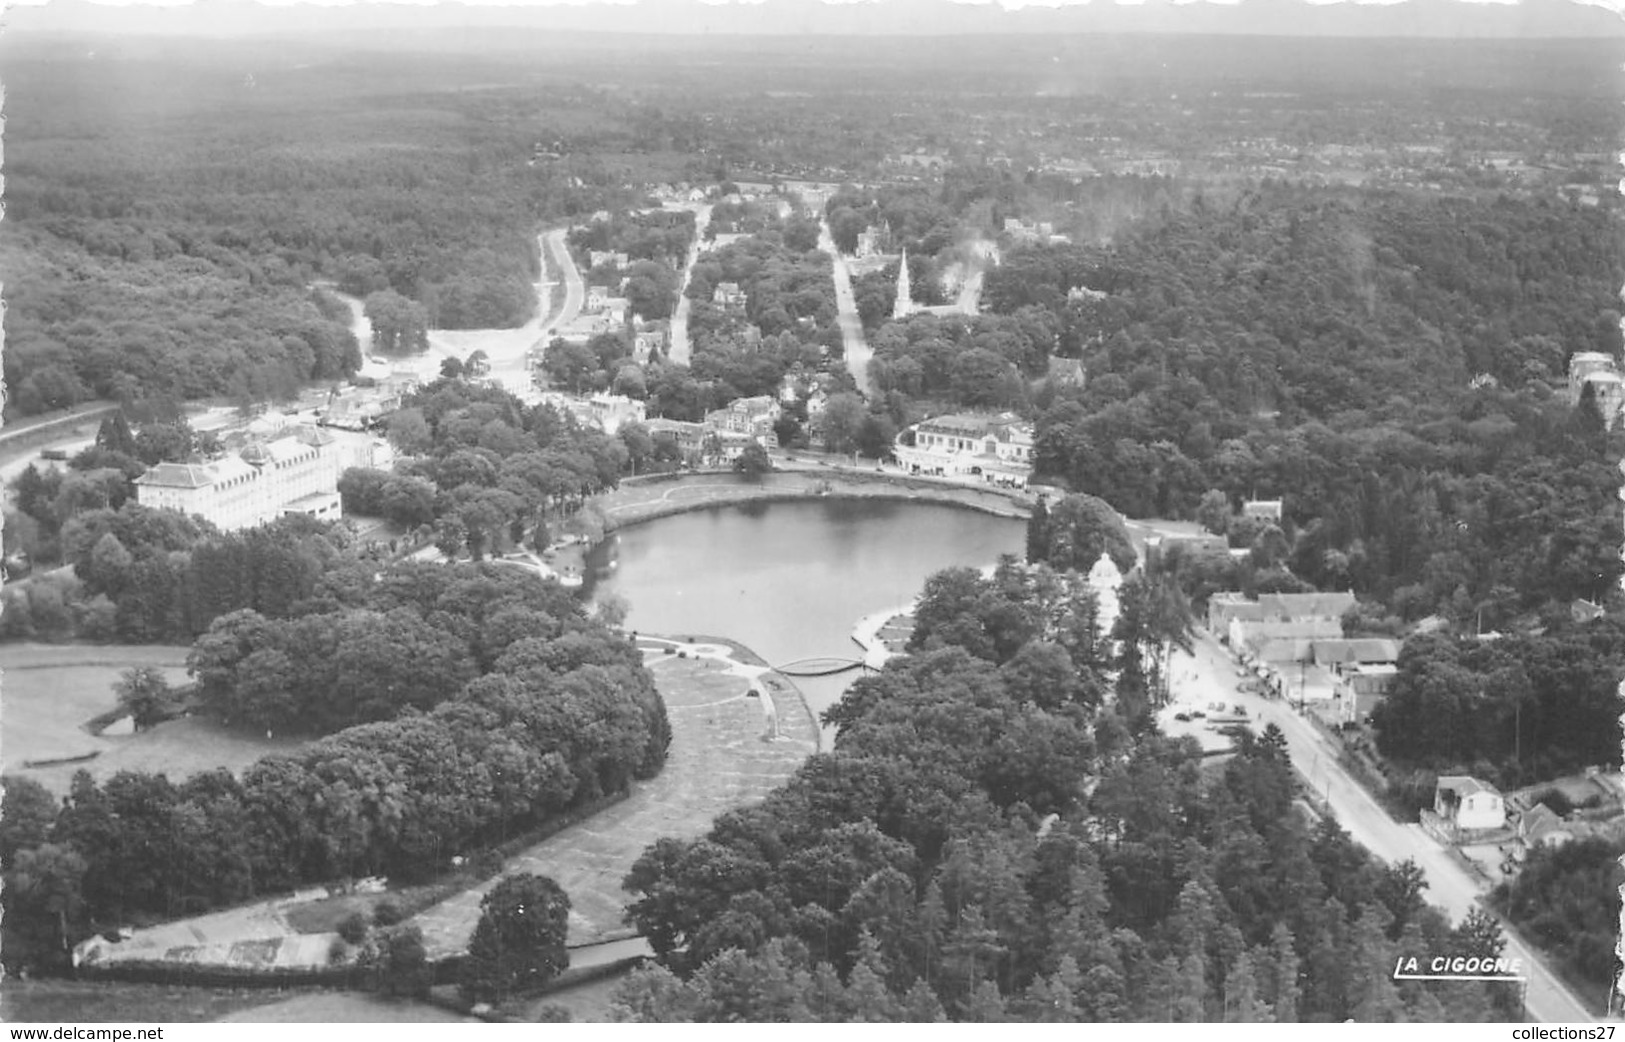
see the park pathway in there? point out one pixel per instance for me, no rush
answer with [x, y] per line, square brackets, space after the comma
[738, 732]
[729, 748]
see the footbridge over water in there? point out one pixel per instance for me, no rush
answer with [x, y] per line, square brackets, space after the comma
[820, 667]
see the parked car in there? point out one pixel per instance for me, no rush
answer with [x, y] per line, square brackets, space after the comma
[1182, 717]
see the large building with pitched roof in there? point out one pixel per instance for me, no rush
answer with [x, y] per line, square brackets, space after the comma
[296, 474]
[991, 446]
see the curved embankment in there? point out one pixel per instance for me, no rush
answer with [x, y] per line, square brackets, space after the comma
[739, 730]
[645, 499]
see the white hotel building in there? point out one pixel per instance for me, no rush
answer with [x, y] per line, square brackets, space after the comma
[990, 446]
[297, 474]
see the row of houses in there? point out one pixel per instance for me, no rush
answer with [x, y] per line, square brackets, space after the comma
[723, 434]
[1280, 631]
[1467, 812]
[1278, 627]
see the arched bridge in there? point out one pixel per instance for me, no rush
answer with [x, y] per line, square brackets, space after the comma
[819, 667]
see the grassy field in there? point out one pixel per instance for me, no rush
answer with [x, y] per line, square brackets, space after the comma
[587, 1003]
[719, 760]
[101, 1002]
[325, 915]
[50, 691]
[344, 1007]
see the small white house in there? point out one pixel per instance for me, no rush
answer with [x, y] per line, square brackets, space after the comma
[1468, 803]
[1263, 509]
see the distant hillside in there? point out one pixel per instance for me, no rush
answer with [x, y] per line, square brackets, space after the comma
[1430, 18]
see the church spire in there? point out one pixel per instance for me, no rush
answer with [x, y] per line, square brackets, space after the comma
[904, 306]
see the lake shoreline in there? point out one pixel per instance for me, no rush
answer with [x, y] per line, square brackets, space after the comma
[637, 502]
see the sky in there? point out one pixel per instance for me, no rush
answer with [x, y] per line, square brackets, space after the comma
[1430, 18]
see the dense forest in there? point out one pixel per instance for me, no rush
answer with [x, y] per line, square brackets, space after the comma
[162, 240]
[984, 844]
[1391, 366]
[1357, 292]
[483, 702]
[499, 469]
[1567, 899]
[1511, 710]
[786, 284]
[486, 473]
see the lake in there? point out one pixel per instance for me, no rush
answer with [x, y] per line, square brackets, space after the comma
[789, 580]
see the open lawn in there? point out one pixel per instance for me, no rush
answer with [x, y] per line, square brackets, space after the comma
[324, 915]
[102, 1002]
[587, 1003]
[179, 749]
[721, 758]
[50, 691]
[344, 1007]
[730, 747]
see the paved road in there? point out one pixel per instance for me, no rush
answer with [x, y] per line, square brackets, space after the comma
[680, 348]
[1211, 676]
[508, 350]
[970, 294]
[857, 349]
[202, 418]
[575, 294]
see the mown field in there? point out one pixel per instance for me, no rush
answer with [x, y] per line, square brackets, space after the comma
[49, 692]
[100, 1002]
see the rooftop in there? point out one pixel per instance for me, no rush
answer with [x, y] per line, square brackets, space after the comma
[177, 475]
[971, 424]
[1357, 650]
[1306, 605]
[1464, 785]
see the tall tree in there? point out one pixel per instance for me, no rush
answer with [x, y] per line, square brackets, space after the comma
[518, 943]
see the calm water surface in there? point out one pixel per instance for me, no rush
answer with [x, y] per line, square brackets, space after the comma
[789, 580]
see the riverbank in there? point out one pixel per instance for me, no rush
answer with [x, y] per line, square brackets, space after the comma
[646, 499]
